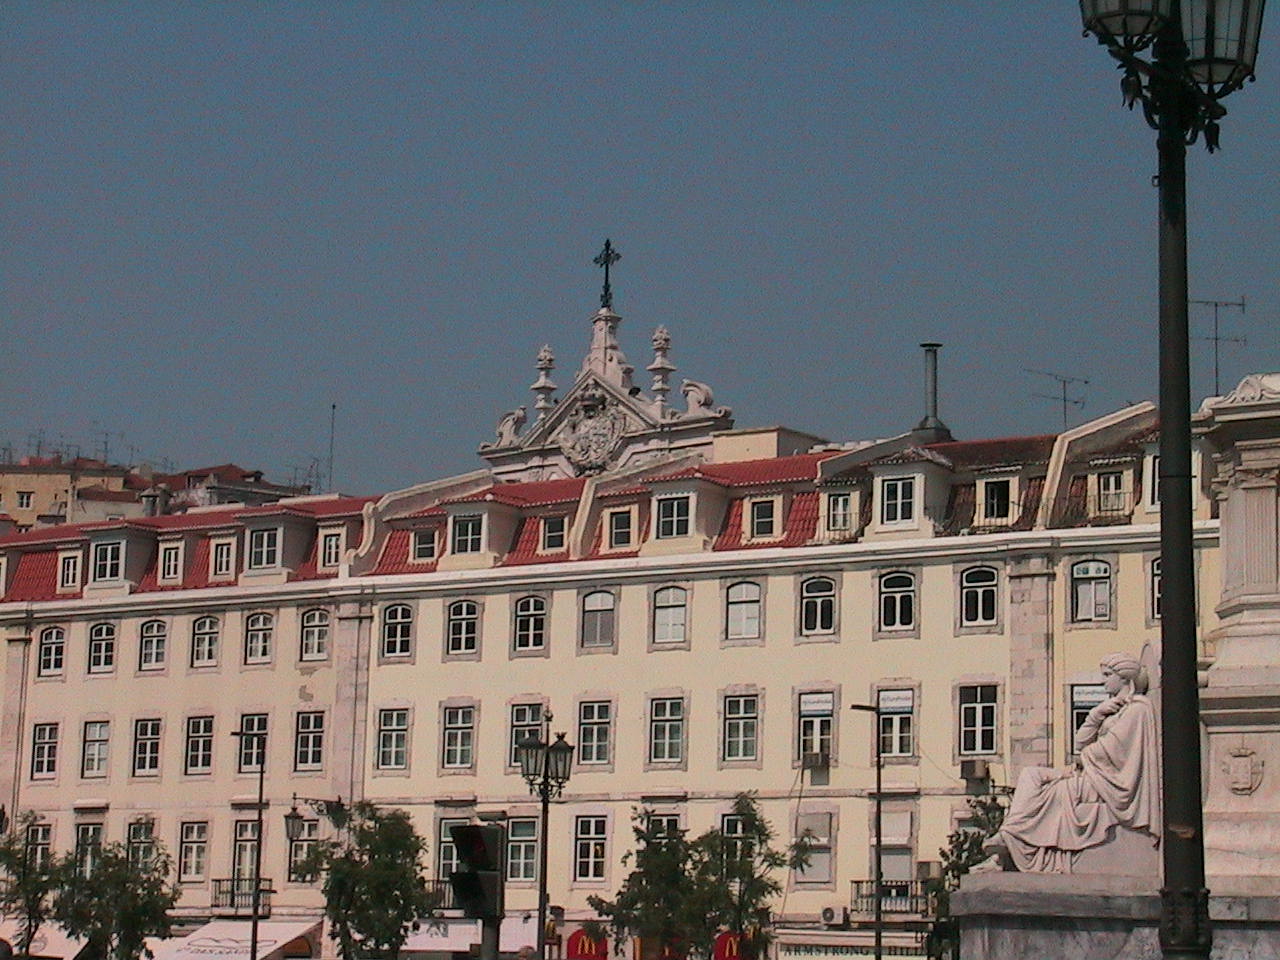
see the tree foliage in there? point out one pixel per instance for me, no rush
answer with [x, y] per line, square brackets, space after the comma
[374, 888]
[117, 903]
[27, 884]
[962, 853]
[680, 893]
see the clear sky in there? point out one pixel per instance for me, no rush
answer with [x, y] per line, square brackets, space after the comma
[218, 219]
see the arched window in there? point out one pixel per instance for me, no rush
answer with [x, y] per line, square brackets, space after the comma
[397, 630]
[531, 623]
[315, 635]
[978, 596]
[152, 640]
[742, 611]
[258, 628]
[102, 648]
[53, 648]
[462, 628]
[669, 615]
[598, 619]
[897, 601]
[817, 606]
[204, 642]
[1090, 591]
[1156, 588]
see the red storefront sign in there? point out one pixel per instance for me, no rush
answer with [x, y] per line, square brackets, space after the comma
[582, 947]
[726, 947]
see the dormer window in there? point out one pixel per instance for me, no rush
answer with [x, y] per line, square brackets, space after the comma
[330, 548]
[467, 531]
[1111, 492]
[423, 546]
[897, 500]
[673, 517]
[1153, 480]
[108, 561]
[170, 561]
[619, 529]
[264, 549]
[764, 523]
[69, 571]
[997, 500]
[223, 559]
[839, 511]
[553, 533]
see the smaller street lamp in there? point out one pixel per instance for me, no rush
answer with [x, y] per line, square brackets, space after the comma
[335, 811]
[878, 883]
[545, 767]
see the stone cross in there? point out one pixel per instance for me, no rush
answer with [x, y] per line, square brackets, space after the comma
[605, 258]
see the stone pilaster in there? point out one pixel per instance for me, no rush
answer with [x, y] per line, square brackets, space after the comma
[352, 641]
[17, 661]
[1030, 696]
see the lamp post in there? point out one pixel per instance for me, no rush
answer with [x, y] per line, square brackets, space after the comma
[1194, 64]
[878, 882]
[545, 768]
[259, 740]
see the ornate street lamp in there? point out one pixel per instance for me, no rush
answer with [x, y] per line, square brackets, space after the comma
[1202, 50]
[546, 769]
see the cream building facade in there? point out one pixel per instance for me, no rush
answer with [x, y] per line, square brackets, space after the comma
[696, 606]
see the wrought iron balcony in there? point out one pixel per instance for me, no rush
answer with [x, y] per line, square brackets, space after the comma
[441, 894]
[902, 897]
[233, 897]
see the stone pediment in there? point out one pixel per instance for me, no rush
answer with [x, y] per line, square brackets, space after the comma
[589, 423]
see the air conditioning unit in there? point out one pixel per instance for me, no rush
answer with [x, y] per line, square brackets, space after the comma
[836, 915]
[815, 761]
[974, 770]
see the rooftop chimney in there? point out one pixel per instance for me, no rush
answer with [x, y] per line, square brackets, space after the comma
[931, 429]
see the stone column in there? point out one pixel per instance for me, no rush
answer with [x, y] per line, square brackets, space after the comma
[352, 650]
[13, 722]
[1030, 696]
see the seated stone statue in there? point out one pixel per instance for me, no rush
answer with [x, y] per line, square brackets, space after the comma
[1057, 817]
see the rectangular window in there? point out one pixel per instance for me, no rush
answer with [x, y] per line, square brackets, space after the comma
[741, 722]
[467, 530]
[1111, 492]
[243, 856]
[522, 849]
[199, 755]
[897, 500]
[663, 824]
[459, 737]
[107, 561]
[330, 550]
[897, 722]
[300, 851]
[734, 830]
[816, 828]
[1153, 497]
[595, 721]
[589, 838]
[146, 748]
[40, 844]
[264, 549]
[69, 572]
[763, 522]
[424, 545]
[169, 565]
[88, 847]
[222, 559]
[839, 511]
[1157, 589]
[553, 533]
[393, 739]
[253, 742]
[24, 499]
[978, 719]
[52, 651]
[1084, 697]
[620, 529]
[93, 751]
[102, 648]
[996, 500]
[308, 740]
[44, 751]
[193, 851]
[666, 730]
[447, 859]
[204, 642]
[526, 721]
[816, 716]
[140, 840]
[673, 517]
[152, 641]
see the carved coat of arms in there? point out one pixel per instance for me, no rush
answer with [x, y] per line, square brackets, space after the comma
[591, 432]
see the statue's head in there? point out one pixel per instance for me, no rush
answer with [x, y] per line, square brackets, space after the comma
[1128, 668]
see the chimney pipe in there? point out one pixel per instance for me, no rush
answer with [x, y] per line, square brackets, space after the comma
[931, 429]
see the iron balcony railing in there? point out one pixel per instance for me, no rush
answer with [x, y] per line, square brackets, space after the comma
[441, 894]
[233, 897]
[896, 896]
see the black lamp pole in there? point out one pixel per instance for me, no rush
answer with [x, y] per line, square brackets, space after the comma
[1179, 91]
[545, 768]
[878, 884]
[259, 739]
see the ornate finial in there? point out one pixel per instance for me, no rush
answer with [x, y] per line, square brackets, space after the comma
[661, 368]
[543, 387]
[606, 258]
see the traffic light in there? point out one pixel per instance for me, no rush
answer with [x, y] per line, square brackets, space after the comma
[477, 886]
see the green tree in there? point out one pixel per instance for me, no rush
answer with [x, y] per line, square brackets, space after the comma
[962, 853]
[116, 900]
[28, 881]
[374, 888]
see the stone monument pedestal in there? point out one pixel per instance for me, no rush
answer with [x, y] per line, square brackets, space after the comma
[1031, 916]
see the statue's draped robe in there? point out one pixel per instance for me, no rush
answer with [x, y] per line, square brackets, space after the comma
[1054, 815]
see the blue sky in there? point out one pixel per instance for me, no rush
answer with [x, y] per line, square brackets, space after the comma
[222, 218]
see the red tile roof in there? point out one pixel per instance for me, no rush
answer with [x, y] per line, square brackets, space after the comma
[525, 548]
[798, 528]
[36, 578]
[754, 473]
[533, 494]
[395, 556]
[1000, 451]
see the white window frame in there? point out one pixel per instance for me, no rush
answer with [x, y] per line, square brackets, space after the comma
[555, 533]
[300, 851]
[670, 616]
[839, 511]
[264, 548]
[1091, 591]
[1082, 697]
[422, 546]
[603, 618]
[222, 559]
[667, 726]
[764, 518]
[206, 633]
[44, 751]
[108, 561]
[330, 552]
[153, 643]
[1156, 587]
[466, 533]
[896, 719]
[68, 571]
[314, 637]
[818, 606]
[985, 490]
[529, 632]
[397, 631]
[815, 724]
[595, 732]
[590, 848]
[259, 636]
[526, 721]
[522, 850]
[308, 740]
[897, 501]
[197, 751]
[462, 628]
[51, 653]
[743, 611]
[1111, 493]
[613, 531]
[170, 562]
[95, 749]
[147, 733]
[393, 739]
[740, 737]
[898, 606]
[102, 648]
[672, 516]
[253, 749]
[193, 851]
[458, 736]
[25, 498]
[976, 594]
[978, 719]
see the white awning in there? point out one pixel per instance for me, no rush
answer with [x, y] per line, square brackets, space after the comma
[457, 935]
[230, 939]
[50, 940]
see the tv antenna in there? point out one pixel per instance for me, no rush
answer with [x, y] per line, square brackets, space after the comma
[1217, 338]
[1063, 396]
